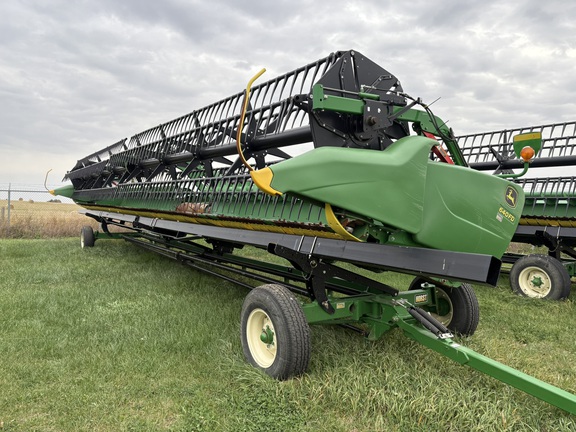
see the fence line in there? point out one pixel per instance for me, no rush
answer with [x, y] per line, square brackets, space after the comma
[19, 200]
[19, 192]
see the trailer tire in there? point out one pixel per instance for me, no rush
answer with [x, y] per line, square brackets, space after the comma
[540, 276]
[274, 332]
[87, 238]
[457, 308]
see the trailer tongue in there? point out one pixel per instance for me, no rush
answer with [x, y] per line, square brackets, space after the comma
[366, 193]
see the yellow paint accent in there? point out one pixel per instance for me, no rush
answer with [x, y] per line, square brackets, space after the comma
[242, 115]
[528, 136]
[253, 226]
[263, 179]
[507, 214]
[535, 221]
[337, 226]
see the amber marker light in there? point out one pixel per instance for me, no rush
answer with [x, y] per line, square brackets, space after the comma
[527, 153]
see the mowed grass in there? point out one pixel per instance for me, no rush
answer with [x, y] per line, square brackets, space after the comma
[116, 338]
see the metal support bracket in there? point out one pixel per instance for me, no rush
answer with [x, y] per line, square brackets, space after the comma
[319, 272]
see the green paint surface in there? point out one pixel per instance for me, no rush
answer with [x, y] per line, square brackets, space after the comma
[441, 206]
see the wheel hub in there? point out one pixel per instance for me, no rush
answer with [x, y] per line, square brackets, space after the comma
[267, 336]
[537, 281]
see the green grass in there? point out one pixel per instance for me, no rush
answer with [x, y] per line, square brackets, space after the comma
[115, 338]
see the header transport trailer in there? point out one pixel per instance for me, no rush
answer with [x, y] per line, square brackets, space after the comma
[549, 214]
[331, 163]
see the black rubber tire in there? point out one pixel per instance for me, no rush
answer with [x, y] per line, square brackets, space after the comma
[552, 276]
[87, 237]
[457, 308]
[277, 307]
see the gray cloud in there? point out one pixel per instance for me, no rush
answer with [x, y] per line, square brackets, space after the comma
[77, 76]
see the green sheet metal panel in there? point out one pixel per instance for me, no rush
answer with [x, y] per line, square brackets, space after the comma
[468, 211]
[440, 205]
[386, 186]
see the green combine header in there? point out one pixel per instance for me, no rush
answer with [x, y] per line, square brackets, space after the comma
[330, 163]
[549, 214]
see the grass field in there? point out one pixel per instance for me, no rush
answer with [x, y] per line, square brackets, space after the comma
[115, 338]
[29, 219]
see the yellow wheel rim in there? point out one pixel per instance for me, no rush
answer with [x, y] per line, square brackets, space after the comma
[259, 323]
[534, 282]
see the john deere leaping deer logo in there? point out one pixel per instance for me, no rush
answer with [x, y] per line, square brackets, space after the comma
[511, 196]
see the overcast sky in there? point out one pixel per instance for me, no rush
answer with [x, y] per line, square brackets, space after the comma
[76, 76]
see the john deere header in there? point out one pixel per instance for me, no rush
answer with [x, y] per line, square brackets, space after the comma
[333, 149]
[337, 153]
